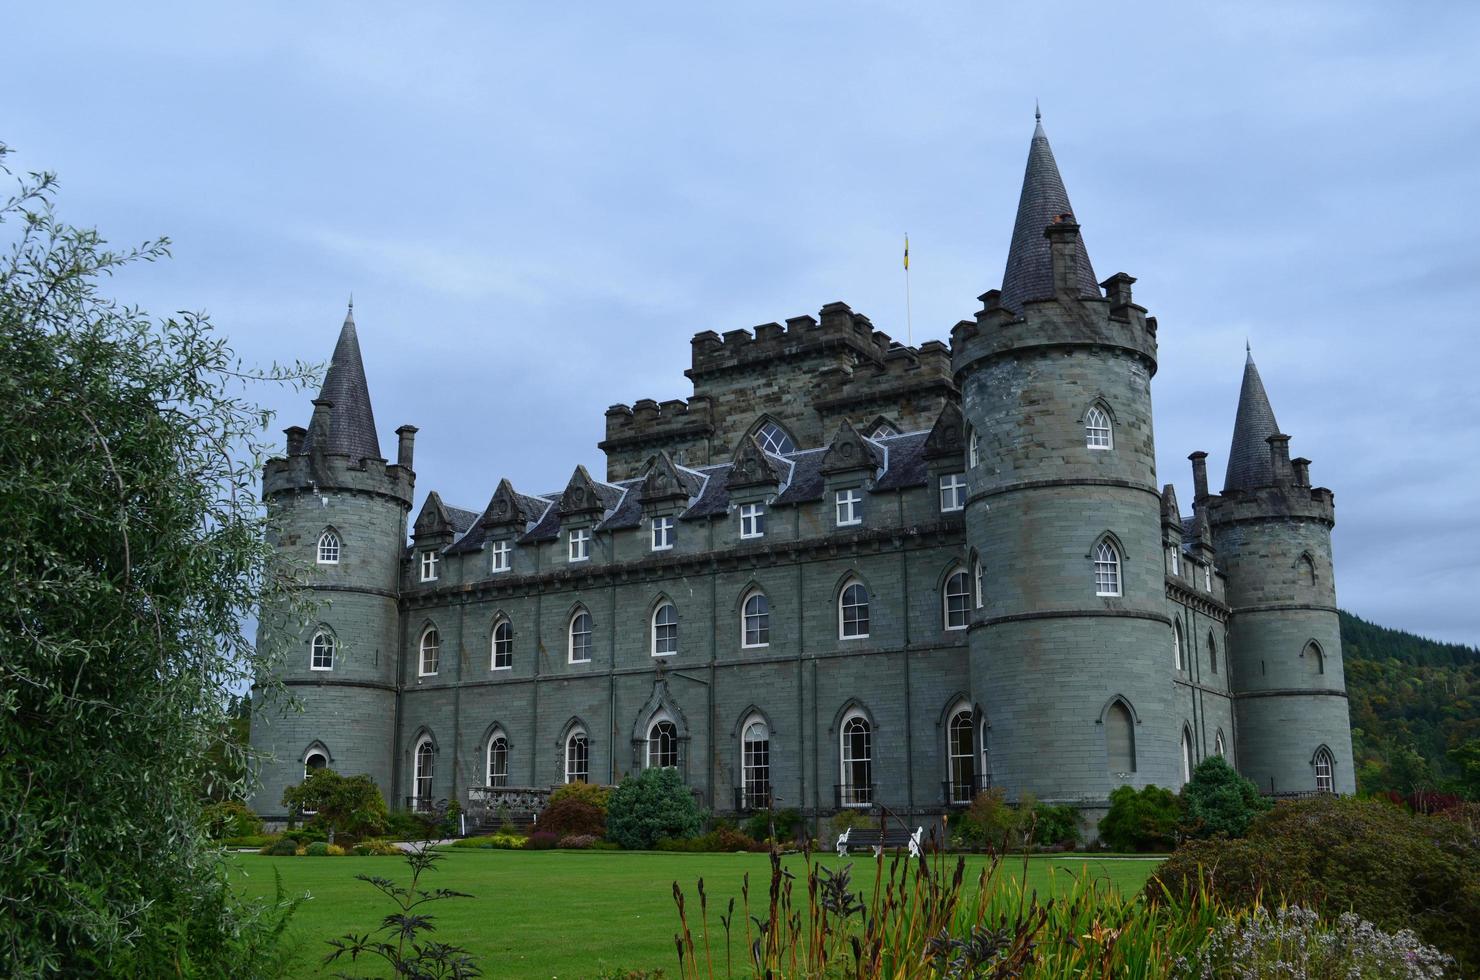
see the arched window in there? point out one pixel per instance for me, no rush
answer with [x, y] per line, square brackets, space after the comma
[979, 591]
[853, 612]
[421, 784]
[883, 430]
[755, 625]
[580, 637]
[314, 761]
[321, 656]
[973, 448]
[498, 760]
[1186, 754]
[1307, 570]
[665, 630]
[957, 600]
[577, 757]
[662, 745]
[1219, 749]
[1097, 428]
[1315, 660]
[1107, 569]
[1212, 654]
[503, 644]
[961, 787]
[1177, 644]
[1120, 739]
[773, 439]
[857, 788]
[329, 548]
[431, 651]
[986, 769]
[1325, 768]
[755, 765]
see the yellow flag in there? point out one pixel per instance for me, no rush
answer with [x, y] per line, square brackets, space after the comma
[906, 251]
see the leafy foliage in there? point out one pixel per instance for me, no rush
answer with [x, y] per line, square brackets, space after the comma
[1293, 942]
[132, 553]
[1217, 800]
[588, 793]
[231, 818]
[349, 806]
[787, 823]
[990, 822]
[1141, 820]
[572, 816]
[650, 806]
[1056, 825]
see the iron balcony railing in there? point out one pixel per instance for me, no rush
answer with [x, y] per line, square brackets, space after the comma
[854, 794]
[751, 798]
[960, 792]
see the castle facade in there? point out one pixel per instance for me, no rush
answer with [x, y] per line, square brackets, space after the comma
[845, 573]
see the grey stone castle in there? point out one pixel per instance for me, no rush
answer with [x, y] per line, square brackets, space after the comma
[846, 572]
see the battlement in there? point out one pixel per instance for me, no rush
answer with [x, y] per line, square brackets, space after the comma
[310, 472]
[838, 329]
[903, 369]
[646, 420]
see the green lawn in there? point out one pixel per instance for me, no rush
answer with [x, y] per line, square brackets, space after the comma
[559, 913]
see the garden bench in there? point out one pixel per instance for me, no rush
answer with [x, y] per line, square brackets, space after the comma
[880, 840]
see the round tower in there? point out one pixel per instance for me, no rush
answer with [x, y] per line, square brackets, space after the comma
[1272, 535]
[1070, 648]
[336, 507]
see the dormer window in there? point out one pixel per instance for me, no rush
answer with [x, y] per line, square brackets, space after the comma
[502, 552]
[952, 492]
[1097, 429]
[662, 533]
[429, 561]
[850, 507]
[752, 521]
[580, 544]
[883, 431]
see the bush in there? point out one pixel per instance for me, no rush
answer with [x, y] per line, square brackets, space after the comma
[541, 841]
[650, 806]
[500, 841]
[788, 821]
[1217, 800]
[576, 842]
[990, 822]
[318, 849]
[721, 840]
[589, 793]
[286, 847]
[1294, 942]
[572, 815]
[845, 820]
[231, 818]
[1395, 869]
[347, 806]
[1056, 825]
[376, 848]
[1141, 821]
[255, 840]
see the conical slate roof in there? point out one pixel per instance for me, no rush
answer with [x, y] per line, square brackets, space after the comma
[351, 422]
[1029, 273]
[1248, 456]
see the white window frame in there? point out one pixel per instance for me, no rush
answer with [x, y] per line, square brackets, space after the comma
[1107, 569]
[315, 648]
[422, 787]
[654, 626]
[1208, 577]
[502, 622]
[1187, 762]
[1219, 747]
[579, 541]
[1212, 654]
[432, 633]
[960, 766]
[1099, 434]
[1324, 760]
[308, 767]
[1176, 561]
[851, 797]
[503, 556]
[946, 595]
[973, 447]
[843, 633]
[752, 521]
[775, 440]
[980, 590]
[573, 774]
[849, 504]
[755, 763]
[329, 547]
[429, 560]
[952, 492]
[570, 636]
[655, 736]
[662, 534]
[1177, 644]
[493, 740]
[764, 617]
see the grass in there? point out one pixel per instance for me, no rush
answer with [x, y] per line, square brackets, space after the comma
[567, 913]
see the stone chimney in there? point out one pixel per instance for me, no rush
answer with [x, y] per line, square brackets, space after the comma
[1279, 458]
[407, 436]
[296, 434]
[1301, 466]
[1063, 243]
[318, 425]
[1199, 476]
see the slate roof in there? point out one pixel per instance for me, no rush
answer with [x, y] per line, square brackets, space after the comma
[1248, 455]
[351, 422]
[1029, 272]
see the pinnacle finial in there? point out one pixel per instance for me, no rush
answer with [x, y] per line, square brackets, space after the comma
[1038, 115]
[351, 302]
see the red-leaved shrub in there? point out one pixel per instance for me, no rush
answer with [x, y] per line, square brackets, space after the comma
[541, 840]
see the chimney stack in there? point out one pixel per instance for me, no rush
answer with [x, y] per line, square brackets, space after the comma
[318, 425]
[1301, 466]
[296, 434]
[1279, 458]
[407, 436]
[1199, 477]
[1063, 241]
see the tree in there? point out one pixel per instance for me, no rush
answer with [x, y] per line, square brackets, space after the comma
[1466, 758]
[1217, 800]
[132, 552]
[350, 806]
[1141, 821]
[650, 806]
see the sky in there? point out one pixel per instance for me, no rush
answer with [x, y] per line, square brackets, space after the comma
[535, 207]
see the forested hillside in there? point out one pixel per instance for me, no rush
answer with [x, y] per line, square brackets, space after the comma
[1415, 709]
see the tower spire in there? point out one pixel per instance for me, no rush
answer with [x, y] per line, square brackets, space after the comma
[1029, 273]
[1248, 455]
[351, 420]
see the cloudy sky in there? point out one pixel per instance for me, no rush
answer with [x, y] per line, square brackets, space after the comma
[536, 205]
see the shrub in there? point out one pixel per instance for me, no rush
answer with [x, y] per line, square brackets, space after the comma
[402, 825]
[317, 849]
[845, 820]
[500, 841]
[576, 842]
[1395, 869]
[990, 822]
[255, 840]
[451, 823]
[788, 822]
[348, 806]
[1217, 800]
[650, 806]
[1141, 821]
[589, 793]
[721, 840]
[231, 818]
[573, 815]
[1056, 825]
[376, 848]
[286, 847]
[540, 840]
[1293, 942]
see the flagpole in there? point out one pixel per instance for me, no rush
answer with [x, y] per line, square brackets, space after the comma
[908, 315]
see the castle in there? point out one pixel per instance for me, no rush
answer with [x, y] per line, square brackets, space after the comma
[845, 573]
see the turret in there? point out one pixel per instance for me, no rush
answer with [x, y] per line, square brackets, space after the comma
[1272, 535]
[1069, 654]
[336, 509]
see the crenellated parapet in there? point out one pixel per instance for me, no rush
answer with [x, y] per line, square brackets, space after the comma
[312, 472]
[637, 431]
[838, 329]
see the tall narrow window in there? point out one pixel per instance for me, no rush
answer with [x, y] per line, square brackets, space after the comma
[322, 657]
[1097, 428]
[1107, 569]
[662, 533]
[1307, 570]
[502, 553]
[580, 637]
[853, 612]
[1120, 739]
[850, 507]
[973, 449]
[1324, 766]
[952, 492]
[328, 548]
[957, 601]
[1176, 555]
[498, 760]
[1208, 577]
[961, 788]
[980, 593]
[773, 439]
[431, 652]
[1212, 654]
[429, 561]
[1186, 755]
[662, 745]
[665, 630]
[422, 782]
[1177, 644]
[577, 757]
[1218, 746]
[503, 645]
[580, 544]
[857, 788]
[752, 521]
[755, 766]
[1315, 660]
[755, 627]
